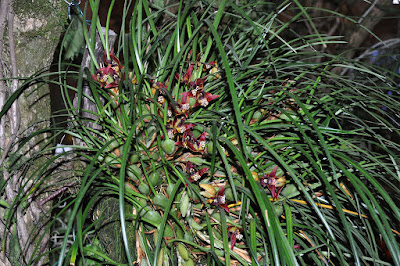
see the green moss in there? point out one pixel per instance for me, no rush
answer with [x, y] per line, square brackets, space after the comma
[109, 229]
[42, 7]
[43, 32]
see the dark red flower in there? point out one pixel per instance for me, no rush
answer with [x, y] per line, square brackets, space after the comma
[203, 98]
[113, 61]
[192, 143]
[273, 183]
[110, 74]
[196, 86]
[177, 125]
[234, 233]
[186, 76]
[220, 200]
[107, 77]
[183, 107]
[161, 88]
[210, 65]
[194, 173]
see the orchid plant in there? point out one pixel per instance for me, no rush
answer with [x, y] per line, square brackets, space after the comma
[221, 144]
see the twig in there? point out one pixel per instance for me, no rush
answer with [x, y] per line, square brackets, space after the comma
[14, 113]
[366, 13]
[3, 15]
[23, 233]
[56, 193]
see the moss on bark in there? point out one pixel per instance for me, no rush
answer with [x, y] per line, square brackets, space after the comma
[37, 29]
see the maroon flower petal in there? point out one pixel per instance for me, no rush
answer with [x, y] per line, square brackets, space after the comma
[272, 174]
[94, 77]
[203, 170]
[277, 193]
[189, 165]
[225, 207]
[272, 189]
[221, 192]
[192, 145]
[188, 74]
[179, 143]
[233, 240]
[189, 126]
[203, 136]
[200, 83]
[210, 97]
[111, 85]
[186, 95]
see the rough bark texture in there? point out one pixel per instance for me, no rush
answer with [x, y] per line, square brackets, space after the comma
[37, 32]
[368, 21]
[29, 34]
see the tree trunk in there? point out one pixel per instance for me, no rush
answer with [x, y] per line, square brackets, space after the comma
[369, 19]
[29, 34]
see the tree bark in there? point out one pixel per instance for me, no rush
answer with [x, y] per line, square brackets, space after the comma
[29, 34]
[370, 18]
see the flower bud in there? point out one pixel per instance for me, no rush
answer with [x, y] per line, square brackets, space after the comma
[153, 217]
[155, 179]
[160, 200]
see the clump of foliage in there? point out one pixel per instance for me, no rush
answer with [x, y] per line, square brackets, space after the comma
[221, 142]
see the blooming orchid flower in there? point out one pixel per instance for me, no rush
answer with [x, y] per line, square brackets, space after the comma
[214, 197]
[186, 76]
[113, 61]
[204, 98]
[183, 107]
[177, 125]
[196, 86]
[273, 183]
[220, 200]
[109, 75]
[159, 86]
[194, 173]
[234, 233]
[192, 143]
